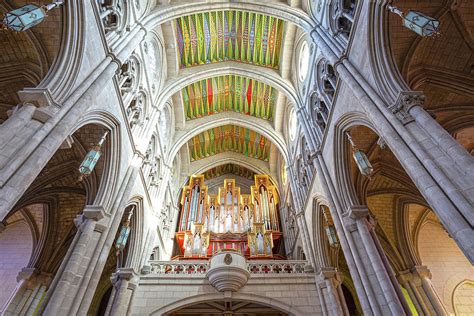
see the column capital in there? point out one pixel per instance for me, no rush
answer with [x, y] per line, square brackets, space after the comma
[26, 274]
[404, 276]
[405, 102]
[422, 271]
[126, 273]
[357, 211]
[94, 212]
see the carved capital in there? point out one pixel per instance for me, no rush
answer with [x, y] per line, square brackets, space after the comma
[358, 211]
[407, 100]
[95, 212]
[26, 274]
[422, 271]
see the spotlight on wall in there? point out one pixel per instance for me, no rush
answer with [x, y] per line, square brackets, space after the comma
[418, 22]
[360, 158]
[26, 17]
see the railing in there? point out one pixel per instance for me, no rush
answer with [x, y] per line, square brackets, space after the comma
[177, 267]
[276, 267]
[254, 267]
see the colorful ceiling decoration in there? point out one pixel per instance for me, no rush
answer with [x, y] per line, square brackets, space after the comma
[229, 168]
[229, 93]
[229, 138]
[247, 37]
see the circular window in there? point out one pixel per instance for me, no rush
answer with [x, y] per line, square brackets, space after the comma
[292, 124]
[303, 63]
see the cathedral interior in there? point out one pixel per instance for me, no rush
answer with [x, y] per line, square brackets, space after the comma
[237, 158]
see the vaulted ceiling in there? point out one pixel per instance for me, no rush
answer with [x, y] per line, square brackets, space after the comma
[442, 66]
[229, 138]
[229, 168]
[211, 37]
[229, 93]
[260, 47]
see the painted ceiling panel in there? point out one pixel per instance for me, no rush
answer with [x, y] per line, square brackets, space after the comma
[229, 138]
[229, 168]
[211, 37]
[229, 93]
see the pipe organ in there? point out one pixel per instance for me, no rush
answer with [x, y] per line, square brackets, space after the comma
[248, 223]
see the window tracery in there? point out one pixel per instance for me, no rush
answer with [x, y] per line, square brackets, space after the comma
[112, 14]
[342, 17]
[129, 75]
[322, 97]
[136, 109]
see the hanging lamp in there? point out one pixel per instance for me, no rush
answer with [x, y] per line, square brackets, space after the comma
[330, 232]
[26, 17]
[89, 162]
[361, 159]
[124, 233]
[418, 22]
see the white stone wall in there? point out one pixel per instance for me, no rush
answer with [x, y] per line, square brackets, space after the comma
[16, 245]
[448, 265]
[295, 293]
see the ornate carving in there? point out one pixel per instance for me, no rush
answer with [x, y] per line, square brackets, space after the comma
[228, 259]
[406, 100]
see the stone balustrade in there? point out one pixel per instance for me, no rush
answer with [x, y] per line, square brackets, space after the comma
[254, 267]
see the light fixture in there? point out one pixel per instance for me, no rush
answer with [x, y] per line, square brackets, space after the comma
[89, 162]
[361, 159]
[124, 233]
[418, 22]
[23, 18]
[123, 238]
[330, 232]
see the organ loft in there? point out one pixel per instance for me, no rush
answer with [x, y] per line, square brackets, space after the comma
[247, 223]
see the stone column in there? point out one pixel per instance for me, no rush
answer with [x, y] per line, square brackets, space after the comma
[418, 284]
[300, 220]
[377, 275]
[30, 292]
[91, 224]
[446, 152]
[435, 184]
[328, 282]
[409, 108]
[125, 281]
[424, 274]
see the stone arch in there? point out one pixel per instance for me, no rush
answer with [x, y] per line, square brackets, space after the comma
[240, 121]
[16, 245]
[271, 302]
[343, 180]
[462, 297]
[195, 74]
[136, 241]
[448, 266]
[297, 17]
[111, 159]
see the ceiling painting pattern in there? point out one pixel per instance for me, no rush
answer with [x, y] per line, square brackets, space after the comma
[229, 168]
[212, 37]
[229, 93]
[229, 138]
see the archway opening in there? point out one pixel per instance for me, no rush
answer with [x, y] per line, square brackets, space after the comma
[405, 226]
[228, 308]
